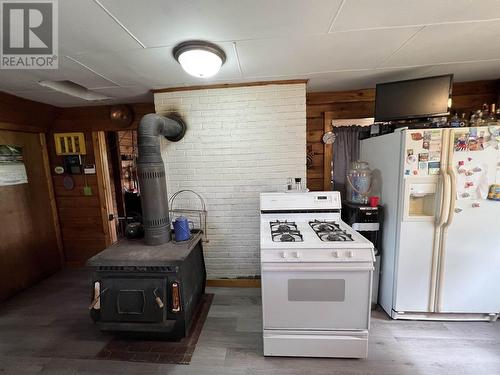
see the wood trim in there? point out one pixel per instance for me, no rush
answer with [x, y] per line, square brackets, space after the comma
[230, 85]
[104, 186]
[234, 283]
[114, 150]
[327, 153]
[52, 197]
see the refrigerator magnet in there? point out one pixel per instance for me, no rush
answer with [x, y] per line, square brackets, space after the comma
[423, 156]
[426, 145]
[458, 210]
[476, 205]
[434, 156]
[434, 167]
[461, 141]
[474, 145]
[416, 136]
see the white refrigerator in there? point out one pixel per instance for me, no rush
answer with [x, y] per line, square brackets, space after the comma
[441, 235]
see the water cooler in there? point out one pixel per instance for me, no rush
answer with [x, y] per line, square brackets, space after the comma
[367, 221]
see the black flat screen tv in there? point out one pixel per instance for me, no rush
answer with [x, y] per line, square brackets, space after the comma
[413, 99]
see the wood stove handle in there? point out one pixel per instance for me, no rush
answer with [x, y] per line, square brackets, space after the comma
[97, 296]
[176, 298]
[158, 300]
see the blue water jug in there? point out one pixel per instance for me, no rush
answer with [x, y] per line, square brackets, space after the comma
[181, 229]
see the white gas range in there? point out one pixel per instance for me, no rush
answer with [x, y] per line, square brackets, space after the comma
[316, 277]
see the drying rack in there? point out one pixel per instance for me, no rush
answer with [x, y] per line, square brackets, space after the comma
[200, 214]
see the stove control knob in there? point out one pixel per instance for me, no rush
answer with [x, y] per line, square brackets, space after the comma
[283, 254]
[350, 254]
[336, 254]
[297, 254]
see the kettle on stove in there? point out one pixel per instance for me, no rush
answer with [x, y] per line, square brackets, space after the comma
[182, 230]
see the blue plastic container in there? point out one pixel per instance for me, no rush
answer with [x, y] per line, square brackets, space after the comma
[181, 229]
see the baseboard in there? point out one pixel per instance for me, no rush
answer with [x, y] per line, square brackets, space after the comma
[234, 283]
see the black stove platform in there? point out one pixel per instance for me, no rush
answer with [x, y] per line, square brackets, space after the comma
[150, 291]
[136, 253]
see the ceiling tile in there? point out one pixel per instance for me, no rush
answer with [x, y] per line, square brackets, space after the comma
[126, 92]
[84, 26]
[320, 53]
[450, 43]
[354, 80]
[19, 80]
[469, 71]
[152, 67]
[168, 22]
[365, 14]
[125, 95]
[53, 97]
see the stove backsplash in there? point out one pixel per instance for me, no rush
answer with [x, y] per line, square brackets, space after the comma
[240, 142]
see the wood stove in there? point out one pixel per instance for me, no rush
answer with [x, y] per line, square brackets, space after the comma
[148, 290]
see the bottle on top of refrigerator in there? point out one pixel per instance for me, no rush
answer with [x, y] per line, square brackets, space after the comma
[491, 120]
[455, 121]
[464, 123]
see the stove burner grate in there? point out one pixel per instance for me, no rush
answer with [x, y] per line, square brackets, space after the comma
[330, 231]
[285, 231]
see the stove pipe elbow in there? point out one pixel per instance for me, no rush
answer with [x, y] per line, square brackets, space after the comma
[151, 173]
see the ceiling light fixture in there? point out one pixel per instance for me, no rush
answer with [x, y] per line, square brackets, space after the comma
[74, 89]
[199, 58]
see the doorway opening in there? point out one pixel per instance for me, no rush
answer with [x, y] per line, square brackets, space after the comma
[122, 157]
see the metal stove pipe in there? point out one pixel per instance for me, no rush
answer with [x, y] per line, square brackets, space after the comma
[151, 173]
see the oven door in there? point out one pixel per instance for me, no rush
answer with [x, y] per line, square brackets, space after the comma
[313, 296]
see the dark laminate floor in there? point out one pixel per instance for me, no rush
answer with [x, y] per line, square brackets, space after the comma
[46, 329]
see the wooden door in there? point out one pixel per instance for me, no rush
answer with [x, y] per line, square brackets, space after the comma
[30, 243]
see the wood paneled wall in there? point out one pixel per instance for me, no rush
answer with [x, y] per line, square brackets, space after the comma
[24, 115]
[81, 217]
[466, 97]
[96, 118]
[30, 246]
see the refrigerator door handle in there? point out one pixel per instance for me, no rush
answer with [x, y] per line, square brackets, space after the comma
[440, 221]
[452, 197]
[445, 200]
[451, 213]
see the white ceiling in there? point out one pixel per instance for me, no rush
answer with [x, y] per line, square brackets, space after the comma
[123, 48]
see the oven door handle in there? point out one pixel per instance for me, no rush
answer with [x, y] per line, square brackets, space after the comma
[314, 269]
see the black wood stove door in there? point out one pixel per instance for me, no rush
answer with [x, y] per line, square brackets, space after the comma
[133, 299]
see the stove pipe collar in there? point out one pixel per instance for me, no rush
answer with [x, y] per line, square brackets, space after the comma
[151, 173]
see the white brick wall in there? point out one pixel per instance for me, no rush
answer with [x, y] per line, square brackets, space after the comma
[240, 142]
